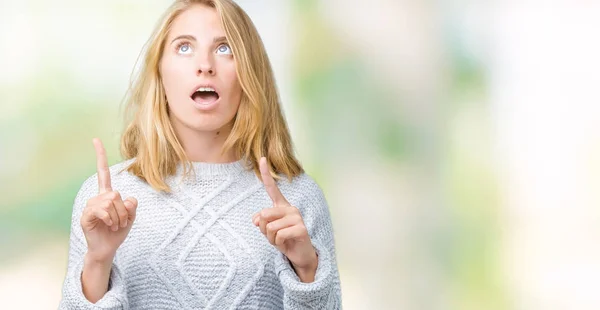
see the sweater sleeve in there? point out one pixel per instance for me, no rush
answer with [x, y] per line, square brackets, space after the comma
[72, 292]
[325, 291]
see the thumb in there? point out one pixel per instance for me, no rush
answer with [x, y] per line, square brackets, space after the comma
[131, 206]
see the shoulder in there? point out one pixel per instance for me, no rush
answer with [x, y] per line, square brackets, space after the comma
[302, 191]
[302, 183]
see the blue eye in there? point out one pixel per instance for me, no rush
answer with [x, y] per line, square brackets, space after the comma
[184, 48]
[224, 48]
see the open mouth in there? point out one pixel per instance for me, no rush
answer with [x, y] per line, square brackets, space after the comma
[205, 95]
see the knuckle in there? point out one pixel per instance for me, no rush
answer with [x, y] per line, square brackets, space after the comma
[106, 205]
[280, 239]
[298, 218]
[112, 195]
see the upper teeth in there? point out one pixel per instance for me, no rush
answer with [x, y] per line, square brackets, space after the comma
[205, 89]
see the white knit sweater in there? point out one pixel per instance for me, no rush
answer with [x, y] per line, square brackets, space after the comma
[197, 248]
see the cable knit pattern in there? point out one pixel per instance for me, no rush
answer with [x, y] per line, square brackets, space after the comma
[197, 248]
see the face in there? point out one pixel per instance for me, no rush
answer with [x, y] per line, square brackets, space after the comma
[198, 73]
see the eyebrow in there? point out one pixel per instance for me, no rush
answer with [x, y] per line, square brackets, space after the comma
[192, 38]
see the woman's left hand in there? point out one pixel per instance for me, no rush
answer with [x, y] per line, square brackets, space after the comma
[284, 227]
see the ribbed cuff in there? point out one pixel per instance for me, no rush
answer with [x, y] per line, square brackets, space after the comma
[298, 290]
[114, 299]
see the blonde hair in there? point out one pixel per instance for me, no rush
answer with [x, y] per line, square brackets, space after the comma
[259, 127]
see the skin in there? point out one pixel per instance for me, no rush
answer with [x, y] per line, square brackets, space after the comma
[284, 228]
[106, 220]
[195, 53]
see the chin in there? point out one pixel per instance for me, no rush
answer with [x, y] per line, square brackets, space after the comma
[206, 123]
[205, 127]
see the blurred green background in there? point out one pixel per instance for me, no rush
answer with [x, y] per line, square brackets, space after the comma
[457, 142]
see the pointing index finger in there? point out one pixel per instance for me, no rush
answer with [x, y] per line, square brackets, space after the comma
[269, 183]
[102, 167]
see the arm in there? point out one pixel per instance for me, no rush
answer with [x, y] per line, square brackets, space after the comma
[303, 234]
[94, 278]
[102, 283]
[324, 292]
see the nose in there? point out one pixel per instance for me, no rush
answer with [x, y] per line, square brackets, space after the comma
[205, 65]
[207, 69]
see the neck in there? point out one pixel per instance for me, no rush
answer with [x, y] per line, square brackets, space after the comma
[205, 146]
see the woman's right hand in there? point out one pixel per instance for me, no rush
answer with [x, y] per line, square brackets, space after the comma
[106, 218]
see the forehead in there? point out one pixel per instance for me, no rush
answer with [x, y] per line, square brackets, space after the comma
[199, 20]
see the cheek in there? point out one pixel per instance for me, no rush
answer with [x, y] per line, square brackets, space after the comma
[171, 72]
[233, 80]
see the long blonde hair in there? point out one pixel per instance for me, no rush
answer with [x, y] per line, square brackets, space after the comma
[259, 126]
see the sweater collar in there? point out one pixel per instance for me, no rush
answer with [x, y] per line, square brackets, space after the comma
[212, 170]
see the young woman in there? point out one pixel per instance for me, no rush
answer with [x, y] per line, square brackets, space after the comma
[210, 209]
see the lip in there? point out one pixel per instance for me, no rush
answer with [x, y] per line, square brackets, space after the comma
[206, 85]
[206, 107]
